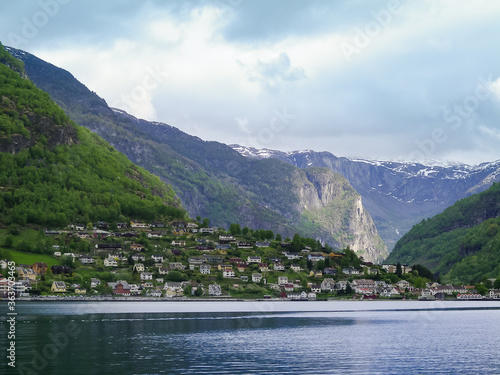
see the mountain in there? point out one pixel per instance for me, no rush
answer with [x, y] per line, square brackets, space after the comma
[212, 180]
[462, 243]
[397, 195]
[54, 172]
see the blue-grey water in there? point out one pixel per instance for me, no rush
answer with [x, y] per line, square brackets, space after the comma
[372, 337]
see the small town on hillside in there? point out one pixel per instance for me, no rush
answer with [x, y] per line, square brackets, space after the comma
[188, 260]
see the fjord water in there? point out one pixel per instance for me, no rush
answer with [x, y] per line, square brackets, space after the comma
[373, 337]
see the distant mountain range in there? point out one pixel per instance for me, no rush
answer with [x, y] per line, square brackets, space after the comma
[397, 195]
[212, 180]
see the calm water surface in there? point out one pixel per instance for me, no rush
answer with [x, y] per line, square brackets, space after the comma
[373, 337]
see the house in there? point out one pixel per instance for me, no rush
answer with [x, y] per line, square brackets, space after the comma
[388, 291]
[226, 239]
[311, 296]
[315, 257]
[341, 285]
[235, 260]
[163, 270]
[282, 280]
[173, 289]
[316, 273]
[263, 267]
[296, 268]
[254, 259]
[57, 253]
[86, 259]
[178, 243]
[208, 230]
[121, 225]
[155, 234]
[155, 293]
[80, 290]
[350, 271]
[278, 267]
[244, 245]
[330, 271]
[4, 287]
[120, 287]
[241, 267]
[403, 284]
[138, 224]
[224, 267]
[262, 244]
[147, 284]
[146, 276]
[39, 268]
[288, 287]
[138, 257]
[328, 285]
[58, 287]
[157, 258]
[205, 269]
[157, 225]
[177, 266]
[27, 273]
[291, 256]
[315, 289]
[256, 277]
[110, 262]
[244, 278]
[104, 247]
[94, 283]
[228, 273]
[214, 290]
[139, 267]
[137, 247]
[134, 289]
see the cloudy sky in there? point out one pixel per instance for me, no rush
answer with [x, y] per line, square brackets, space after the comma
[393, 80]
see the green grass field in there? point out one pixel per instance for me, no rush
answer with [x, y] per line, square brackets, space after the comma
[30, 258]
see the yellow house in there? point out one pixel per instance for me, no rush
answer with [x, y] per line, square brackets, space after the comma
[58, 287]
[27, 273]
[80, 291]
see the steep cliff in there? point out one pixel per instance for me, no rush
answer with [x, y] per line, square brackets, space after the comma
[329, 204]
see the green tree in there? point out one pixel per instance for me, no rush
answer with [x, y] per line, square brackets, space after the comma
[481, 289]
[9, 241]
[278, 237]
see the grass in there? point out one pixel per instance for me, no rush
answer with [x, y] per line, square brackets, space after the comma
[30, 258]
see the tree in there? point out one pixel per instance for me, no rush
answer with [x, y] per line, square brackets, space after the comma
[481, 289]
[278, 237]
[399, 270]
[9, 241]
[496, 284]
[206, 222]
[67, 260]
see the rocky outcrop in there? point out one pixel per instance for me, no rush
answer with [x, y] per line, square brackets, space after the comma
[332, 210]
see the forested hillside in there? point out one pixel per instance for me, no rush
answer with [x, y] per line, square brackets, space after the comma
[53, 172]
[461, 244]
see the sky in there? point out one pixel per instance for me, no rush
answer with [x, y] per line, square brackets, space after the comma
[386, 80]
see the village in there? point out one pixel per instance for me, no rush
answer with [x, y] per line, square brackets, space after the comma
[186, 260]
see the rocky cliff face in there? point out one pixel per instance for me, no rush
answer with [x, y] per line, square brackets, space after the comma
[331, 208]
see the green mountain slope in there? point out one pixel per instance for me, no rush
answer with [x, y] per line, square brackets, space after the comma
[53, 172]
[461, 244]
